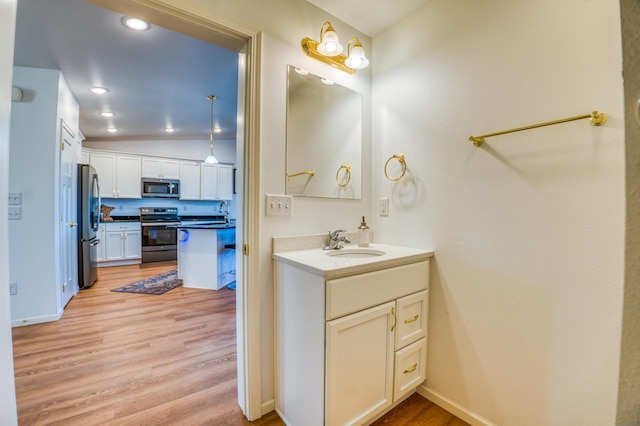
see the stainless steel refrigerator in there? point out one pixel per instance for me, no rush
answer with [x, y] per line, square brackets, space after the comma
[88, 221]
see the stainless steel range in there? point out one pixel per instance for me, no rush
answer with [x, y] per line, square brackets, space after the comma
[159, 233]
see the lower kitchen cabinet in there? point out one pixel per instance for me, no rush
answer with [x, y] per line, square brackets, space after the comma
[349, 348]
[122, 242]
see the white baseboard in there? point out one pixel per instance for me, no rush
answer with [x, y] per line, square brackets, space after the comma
[268, 406]
[453, 407]
[36, 320]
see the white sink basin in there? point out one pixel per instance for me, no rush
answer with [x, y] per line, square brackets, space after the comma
[356, 253]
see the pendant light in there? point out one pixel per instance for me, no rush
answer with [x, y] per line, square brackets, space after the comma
[211, 159]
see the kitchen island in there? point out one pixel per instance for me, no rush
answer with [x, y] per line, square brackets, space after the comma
[206, 255]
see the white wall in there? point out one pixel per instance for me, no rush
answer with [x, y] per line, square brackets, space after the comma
[528, 230]
[184, 149]
[33, 173]
[7, 33]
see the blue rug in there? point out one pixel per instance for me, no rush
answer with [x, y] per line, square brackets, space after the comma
[158, 284]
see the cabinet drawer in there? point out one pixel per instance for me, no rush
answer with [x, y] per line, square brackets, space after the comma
[410, 368]
[357, 292]
[411, 318]
[122, 226]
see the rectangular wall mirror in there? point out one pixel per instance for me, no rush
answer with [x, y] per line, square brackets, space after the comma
[324, 137]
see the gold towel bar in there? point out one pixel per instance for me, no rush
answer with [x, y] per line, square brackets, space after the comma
[596, 119]
[306, 172]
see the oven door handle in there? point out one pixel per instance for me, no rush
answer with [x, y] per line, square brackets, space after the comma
[164, 224]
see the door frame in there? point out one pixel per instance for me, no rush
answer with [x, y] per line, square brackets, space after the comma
[207, 25]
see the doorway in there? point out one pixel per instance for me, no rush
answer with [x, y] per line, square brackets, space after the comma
[247, 45]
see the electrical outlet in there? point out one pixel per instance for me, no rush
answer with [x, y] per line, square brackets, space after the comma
[13, 288]
[383, 207]
[15, 213]
[279, 205]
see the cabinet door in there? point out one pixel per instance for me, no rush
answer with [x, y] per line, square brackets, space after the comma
[128, 177]
[152, 167]
[413, 312]
[132, 245]
[189, 180]
[105, 165]
[113, 245]
[170, 169]
[359, 365]
[225, 182]
[208, 181]
[103, 241]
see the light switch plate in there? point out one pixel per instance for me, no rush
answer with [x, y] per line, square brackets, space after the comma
[279, 205]
[15, 198]
[383, 207]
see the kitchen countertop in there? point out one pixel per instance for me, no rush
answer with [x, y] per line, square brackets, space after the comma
[122, 219]
[206, 226]
[318, 262]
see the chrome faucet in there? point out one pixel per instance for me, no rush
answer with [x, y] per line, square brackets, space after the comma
[226, 209]
[336, 240]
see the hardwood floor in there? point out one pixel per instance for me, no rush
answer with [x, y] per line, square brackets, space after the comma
[134, 359]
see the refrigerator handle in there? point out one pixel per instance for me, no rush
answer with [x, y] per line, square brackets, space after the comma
[94, 243]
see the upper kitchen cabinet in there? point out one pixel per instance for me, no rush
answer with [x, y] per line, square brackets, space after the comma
[160, 168]
[119, 175]
[189, 180]
[216, 182]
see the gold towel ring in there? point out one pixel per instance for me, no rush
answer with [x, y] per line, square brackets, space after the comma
[347, 168]
[403, 163]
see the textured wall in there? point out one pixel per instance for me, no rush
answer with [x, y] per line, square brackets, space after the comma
[528, 230]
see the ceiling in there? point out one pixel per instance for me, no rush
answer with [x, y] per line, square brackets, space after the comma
[156, 78]
[366, 17]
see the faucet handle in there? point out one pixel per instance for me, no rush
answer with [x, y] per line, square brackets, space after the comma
[334, 234]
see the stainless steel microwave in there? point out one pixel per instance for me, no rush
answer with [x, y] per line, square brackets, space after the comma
[160, 188]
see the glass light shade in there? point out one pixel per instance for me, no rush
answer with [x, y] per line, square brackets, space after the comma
[211, 159]
[357, 59]
[330, 45]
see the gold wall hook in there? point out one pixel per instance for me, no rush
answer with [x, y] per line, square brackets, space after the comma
[403, 164]
[347, 172]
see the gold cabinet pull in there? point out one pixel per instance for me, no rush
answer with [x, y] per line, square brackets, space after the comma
[412, 369]
[395, 320]
[407, 321]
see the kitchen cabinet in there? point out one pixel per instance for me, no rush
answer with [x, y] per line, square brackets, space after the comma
[123, 241]
[102, 236]
[348, 348]
[160, 168]
[216, 181]
[119, 175]
[189, 180]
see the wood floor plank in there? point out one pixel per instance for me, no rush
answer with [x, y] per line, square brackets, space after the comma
[134, 359]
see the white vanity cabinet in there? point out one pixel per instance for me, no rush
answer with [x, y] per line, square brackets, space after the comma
[348, 348]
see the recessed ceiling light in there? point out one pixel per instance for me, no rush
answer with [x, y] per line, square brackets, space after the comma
[169, 130]
[112, 129]
[98, 90]
[135, 23]
[217, 130]
[107, 113]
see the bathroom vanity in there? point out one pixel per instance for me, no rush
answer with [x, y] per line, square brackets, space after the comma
[351, 332]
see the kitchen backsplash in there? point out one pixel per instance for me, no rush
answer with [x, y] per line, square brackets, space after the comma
[126, 207]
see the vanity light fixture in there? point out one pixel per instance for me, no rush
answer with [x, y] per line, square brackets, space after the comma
[211, 159]
[329, 50]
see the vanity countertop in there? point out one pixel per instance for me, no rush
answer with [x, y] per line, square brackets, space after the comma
[318, 262]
